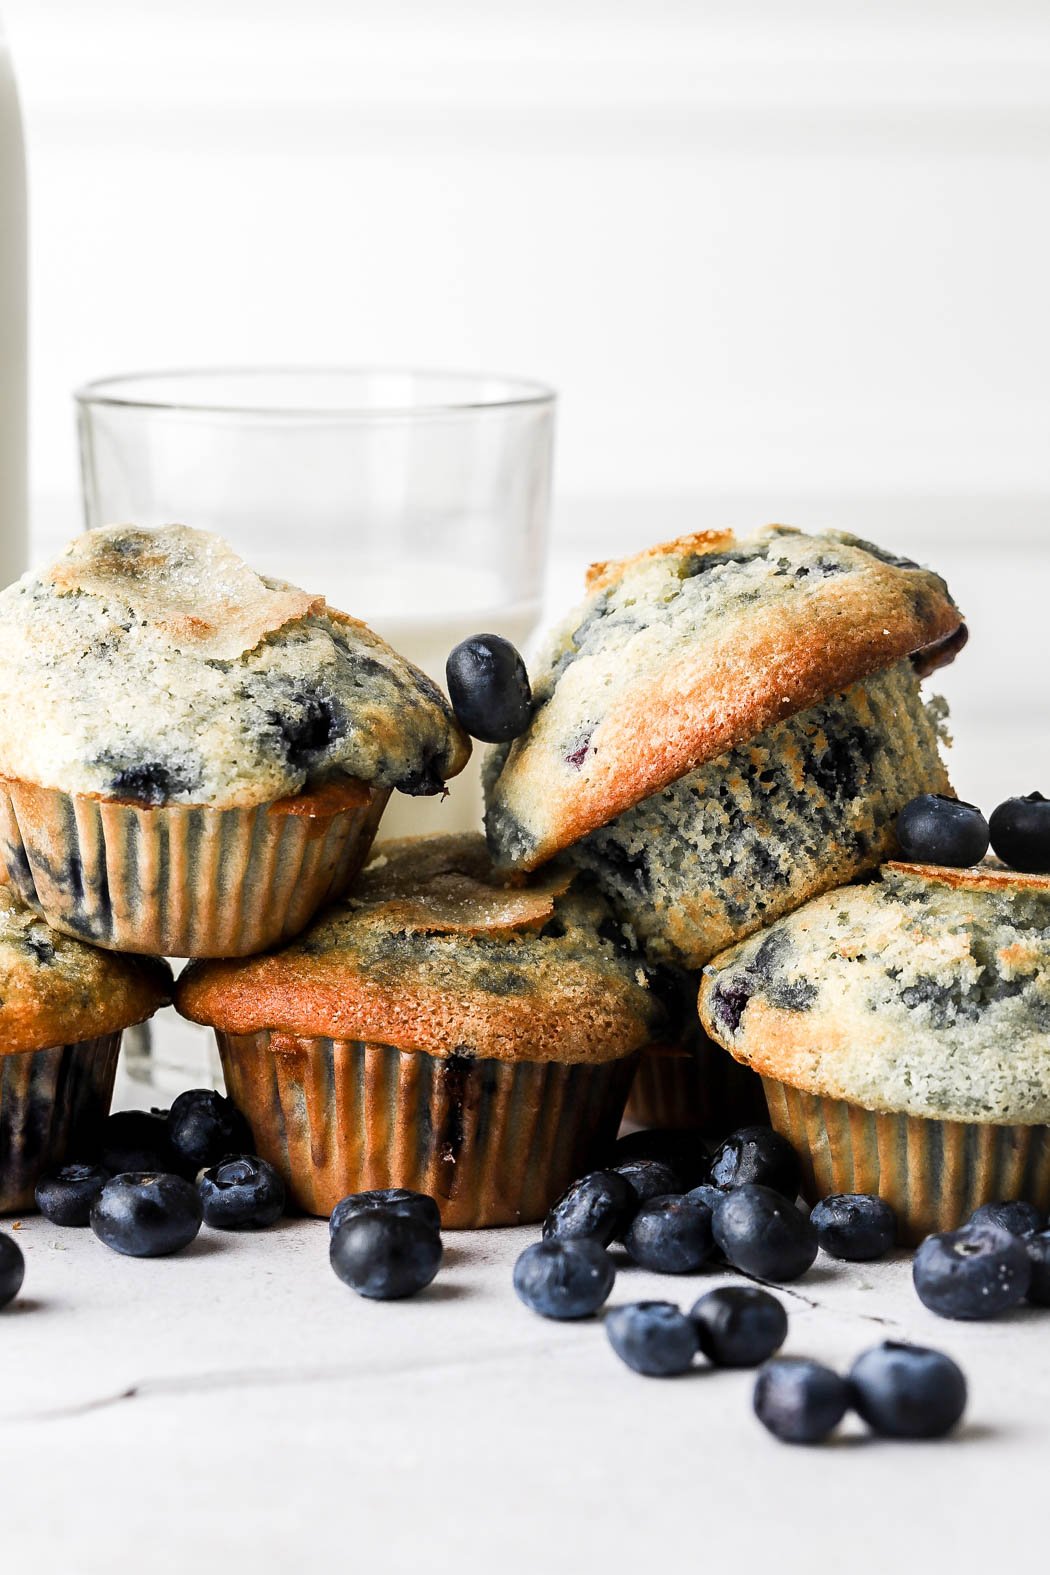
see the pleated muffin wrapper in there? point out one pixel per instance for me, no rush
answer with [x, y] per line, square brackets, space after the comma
[184, 880]
[52, 1104]
[695, 1086]
[934, 1173]
[494, 1142]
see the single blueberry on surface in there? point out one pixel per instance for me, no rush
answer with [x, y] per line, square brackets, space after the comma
[1017, 1217]
[1038, 1250]
[739, 1325]
[242, 1192]
[670, 1235]
[654, 1338]
[799, 1401]
[1020, 833]
[907, 1391]
[66, 1196]
[756, 1156]
[564, 1279]
[489, 688]
[683, 1149]
[856, 1226]
[147, 1215]
[12, 1269]
[650, 1178]
[763, 1234]
[204, 1127]
[385, 1256]
[392, 1200]
[933, 829]
[599, 1206]
[134, 1140]
[976, 1272]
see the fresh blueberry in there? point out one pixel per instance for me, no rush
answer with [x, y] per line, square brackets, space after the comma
[763, 1234]
[670, 1235]
[711, 1197]
[1017, 1218]
[66, 1196]
[653, 1338]
[392, 1200]
[975, 1272]
[800, 1401]
[564, 1279]
[739, 1325]
[1038, 1250]
[1020, 832]
[599, 1206]
[906, 1391]
[241, 1193]
[489, 688]
[12, 1269]
[756, 1156]
[856, 1226]
[933, 829]
[146, 1215]
[204, 1127]
[682, 1148]
[384, 1255]
[650, 1178]
[134, 1140]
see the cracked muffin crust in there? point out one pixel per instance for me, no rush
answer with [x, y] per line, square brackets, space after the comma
[161, 669]
[925, 992]
[689, 650]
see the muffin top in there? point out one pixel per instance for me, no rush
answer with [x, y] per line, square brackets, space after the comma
[926, 991]
[55, 990]
[435, 951]
[690, 649]
[157, 667]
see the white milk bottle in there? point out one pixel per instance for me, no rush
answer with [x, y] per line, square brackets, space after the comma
[13, 523]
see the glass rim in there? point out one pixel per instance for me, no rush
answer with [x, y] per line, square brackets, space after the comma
[514, 392]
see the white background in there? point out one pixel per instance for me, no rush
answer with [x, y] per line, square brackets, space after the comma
[783, 260]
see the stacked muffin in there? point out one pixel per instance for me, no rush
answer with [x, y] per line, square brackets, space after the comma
[193, 759]
[723, 730]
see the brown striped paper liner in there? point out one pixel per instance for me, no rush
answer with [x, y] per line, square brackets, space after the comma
[935, 1173]
[184, 880]
[52, 1103]
[492, 1142]
[703, 1087]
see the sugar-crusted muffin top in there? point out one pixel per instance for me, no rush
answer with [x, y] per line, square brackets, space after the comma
[156, 666]
[690, 649]
[926, 991]
[55, 990]
[435, 951]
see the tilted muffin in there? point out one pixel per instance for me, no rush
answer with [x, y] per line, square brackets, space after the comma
[63, 1006]
[443, 1028]
[195, 757]
[902, 1031]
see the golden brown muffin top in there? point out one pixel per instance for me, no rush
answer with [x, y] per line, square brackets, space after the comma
[690, 649]
[434, 950]
[55, 990]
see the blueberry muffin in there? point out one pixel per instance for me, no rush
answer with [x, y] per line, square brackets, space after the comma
[63, 1006]
[444, 1028]
[193, 757]
[726, 728]
[902, 1031]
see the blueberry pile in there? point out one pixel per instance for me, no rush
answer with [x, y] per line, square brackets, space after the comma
[934, 829]
[997, 1260]
[158, 1175]
[900, 1391]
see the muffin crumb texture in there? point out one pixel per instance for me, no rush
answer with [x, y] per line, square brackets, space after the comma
[924, 992]
[157, 667]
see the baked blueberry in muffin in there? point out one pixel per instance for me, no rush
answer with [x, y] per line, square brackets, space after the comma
[901, 1027]
[207, 751]
[726, 728]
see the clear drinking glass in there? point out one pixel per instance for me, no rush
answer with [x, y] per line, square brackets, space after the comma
[415, 500]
